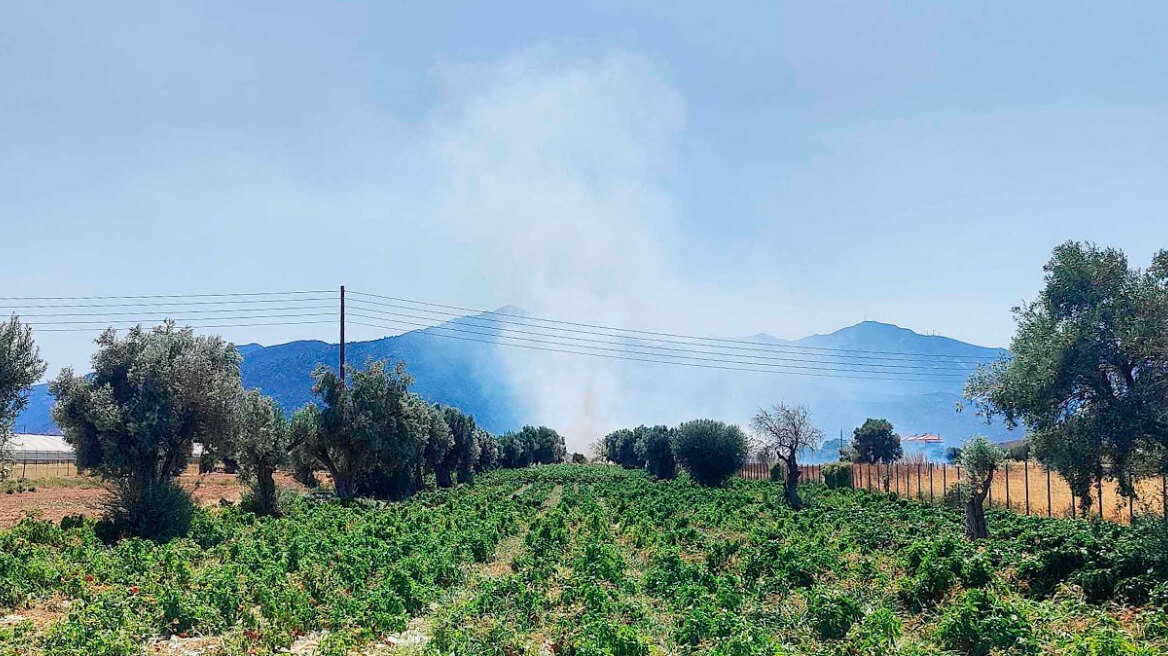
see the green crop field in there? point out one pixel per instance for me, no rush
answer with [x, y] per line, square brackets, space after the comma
[567, 560]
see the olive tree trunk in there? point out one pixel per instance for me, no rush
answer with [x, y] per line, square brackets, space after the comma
[975, 519]
[791, 484]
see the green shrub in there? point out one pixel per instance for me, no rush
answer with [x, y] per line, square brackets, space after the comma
[832, 613]
[837, 475]
[874, 635]
[777, 473]
[158, 511]
[979, 623]
[1108, 641]
[711, 451]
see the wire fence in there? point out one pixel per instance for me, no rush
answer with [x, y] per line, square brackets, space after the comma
[39, 468]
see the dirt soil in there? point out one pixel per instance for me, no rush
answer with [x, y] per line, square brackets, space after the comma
[54, 502]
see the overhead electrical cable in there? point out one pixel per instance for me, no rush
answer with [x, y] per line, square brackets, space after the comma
[891, 375]
[771, 355]
[162, 319]
[218, 325]
[637, 359]
[147, 296]
[751, 344]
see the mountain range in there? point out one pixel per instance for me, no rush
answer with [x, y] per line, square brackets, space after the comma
[479, 373]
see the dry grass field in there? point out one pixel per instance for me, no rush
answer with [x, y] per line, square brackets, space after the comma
[1023, 487]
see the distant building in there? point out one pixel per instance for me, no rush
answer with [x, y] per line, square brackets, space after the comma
[40, 448]
[923, 439]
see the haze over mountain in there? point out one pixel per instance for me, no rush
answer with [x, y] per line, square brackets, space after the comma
[468, 362]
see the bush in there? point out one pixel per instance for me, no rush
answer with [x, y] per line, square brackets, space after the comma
[980, 624]
[832, 613]
[711, 451]
[837, 475]
[777, 473]
[158, 511]
[874, 635]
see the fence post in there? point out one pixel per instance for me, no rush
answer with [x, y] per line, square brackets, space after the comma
[920, 495]
[1049, 510]
[930, 482]
[944, 479]
[990, 490]
[1026, 483]
[1164, 494]
[1007, 474]
[1131, 506]
[1099, 490]
[1072, 504]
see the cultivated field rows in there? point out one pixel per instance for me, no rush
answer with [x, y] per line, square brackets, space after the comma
[568, 560]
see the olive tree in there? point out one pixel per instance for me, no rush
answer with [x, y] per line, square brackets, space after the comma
[1088, 369]
[711, 451]
[261, 446]
[620, 447]
[152, 396]
[979, 458]
[786, 431]
[544, 444]
[489, 453]
[654, 447]
[439, 445]
[20, 367]
[464, 453]
[363, 431]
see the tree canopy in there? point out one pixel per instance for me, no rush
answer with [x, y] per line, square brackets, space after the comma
[152, 396]
[786, 431]
[1088, 369]
[711, 451]
[876, 441]
[366, 432]
[260, 445]
[20, 367]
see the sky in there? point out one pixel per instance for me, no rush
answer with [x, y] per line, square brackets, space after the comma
[712, 168]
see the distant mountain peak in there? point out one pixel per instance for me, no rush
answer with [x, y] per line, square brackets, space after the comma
[509, 309]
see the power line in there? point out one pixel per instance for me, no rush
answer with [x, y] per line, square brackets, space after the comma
[464, 322]
[223, 295]
[633, 359]
[220, 325]
[160, 320]
[753, 345]
[151, 304]
[889, 375]
[184, 311]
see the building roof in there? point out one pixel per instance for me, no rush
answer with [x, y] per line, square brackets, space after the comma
[931, 438]
[40, 447]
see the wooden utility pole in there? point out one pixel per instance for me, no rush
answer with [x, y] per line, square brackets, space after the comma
[342, 367]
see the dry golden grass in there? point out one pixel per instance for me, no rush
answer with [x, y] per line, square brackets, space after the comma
[43, 470]
[1022, 487]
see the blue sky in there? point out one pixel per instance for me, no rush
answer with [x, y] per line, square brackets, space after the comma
[719, 168]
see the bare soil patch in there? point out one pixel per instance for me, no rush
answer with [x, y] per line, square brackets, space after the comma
[54, 502]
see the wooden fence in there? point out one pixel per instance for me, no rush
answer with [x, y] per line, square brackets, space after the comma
[1023, 487]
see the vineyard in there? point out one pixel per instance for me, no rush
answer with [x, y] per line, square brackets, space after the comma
[572, 560]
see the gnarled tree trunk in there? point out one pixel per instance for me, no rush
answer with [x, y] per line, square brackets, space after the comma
[975, 519]
[791, 484]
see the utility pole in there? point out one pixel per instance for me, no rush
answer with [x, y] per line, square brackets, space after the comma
[342, 333]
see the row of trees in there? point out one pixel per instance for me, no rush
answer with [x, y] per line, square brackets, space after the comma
[154, 394]
[713, 451]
